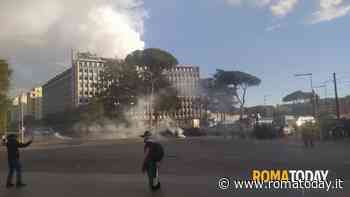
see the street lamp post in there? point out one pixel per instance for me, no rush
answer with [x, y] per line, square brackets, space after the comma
[21, 115]
[265, 98]
[325, 89]
[312, 91]
[152, 93]
[325, 96]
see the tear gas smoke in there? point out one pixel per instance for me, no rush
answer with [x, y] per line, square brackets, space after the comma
[38, 35]
[136, 126]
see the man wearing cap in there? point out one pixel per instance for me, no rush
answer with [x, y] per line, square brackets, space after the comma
[13, 160]
[153, 155]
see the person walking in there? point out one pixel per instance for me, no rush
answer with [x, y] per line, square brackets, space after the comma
[14, 160]
[308, 134]
[154, 154]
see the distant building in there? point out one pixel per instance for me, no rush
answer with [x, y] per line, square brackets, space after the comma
[79, 84]
[19, 108]
[34, 98]
[75, 86]
[58, 94]
[86, 73]
[27, 105]
[185, 79]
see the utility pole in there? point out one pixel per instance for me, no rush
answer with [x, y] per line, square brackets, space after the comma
[151, 105]
[336, 95]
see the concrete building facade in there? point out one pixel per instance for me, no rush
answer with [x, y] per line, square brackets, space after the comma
[19, 108]
[86, 74]
[75, 86]
[26, 105]
[185, 79]
[57, 94]
[79, 84]
[34, 98]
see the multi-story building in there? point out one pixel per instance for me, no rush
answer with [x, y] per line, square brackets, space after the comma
[19, 108]
[58, 94]
[77, 85]
[34, 100]
[185, 79]
[26, 106]
[86, 73]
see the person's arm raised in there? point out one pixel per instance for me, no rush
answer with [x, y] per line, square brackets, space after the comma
[23, 145]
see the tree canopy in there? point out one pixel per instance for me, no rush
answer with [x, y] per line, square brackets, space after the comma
[123, 86]
[5, 73]
[155, 59]
[235, 78]
[126, 84]
[235, 83]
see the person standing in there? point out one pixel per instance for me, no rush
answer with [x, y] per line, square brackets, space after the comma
[154, 154]
[308, 133]
[14, 160]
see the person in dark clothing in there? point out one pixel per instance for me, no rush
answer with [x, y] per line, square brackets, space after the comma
[14, 160]
[153, 156]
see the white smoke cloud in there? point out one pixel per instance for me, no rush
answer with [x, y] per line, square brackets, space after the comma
[110, 28]
[330, 10]
[283, 7]
[278, 8]
[258, 3]
[38, 34]
[138, 123]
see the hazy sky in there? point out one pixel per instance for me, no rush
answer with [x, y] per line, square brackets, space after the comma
[272, 39]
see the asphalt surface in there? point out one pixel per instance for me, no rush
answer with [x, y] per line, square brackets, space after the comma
[191, 167]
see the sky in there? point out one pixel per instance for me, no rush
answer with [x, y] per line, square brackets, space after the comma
[271, 39]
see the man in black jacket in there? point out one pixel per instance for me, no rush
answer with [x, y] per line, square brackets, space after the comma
[13, 160]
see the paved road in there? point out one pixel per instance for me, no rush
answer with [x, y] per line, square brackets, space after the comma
[191, 167]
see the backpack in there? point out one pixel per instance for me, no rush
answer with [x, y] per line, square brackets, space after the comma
[157, 152]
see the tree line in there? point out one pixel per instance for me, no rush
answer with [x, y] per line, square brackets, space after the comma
[142, 72]
[5, 73]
